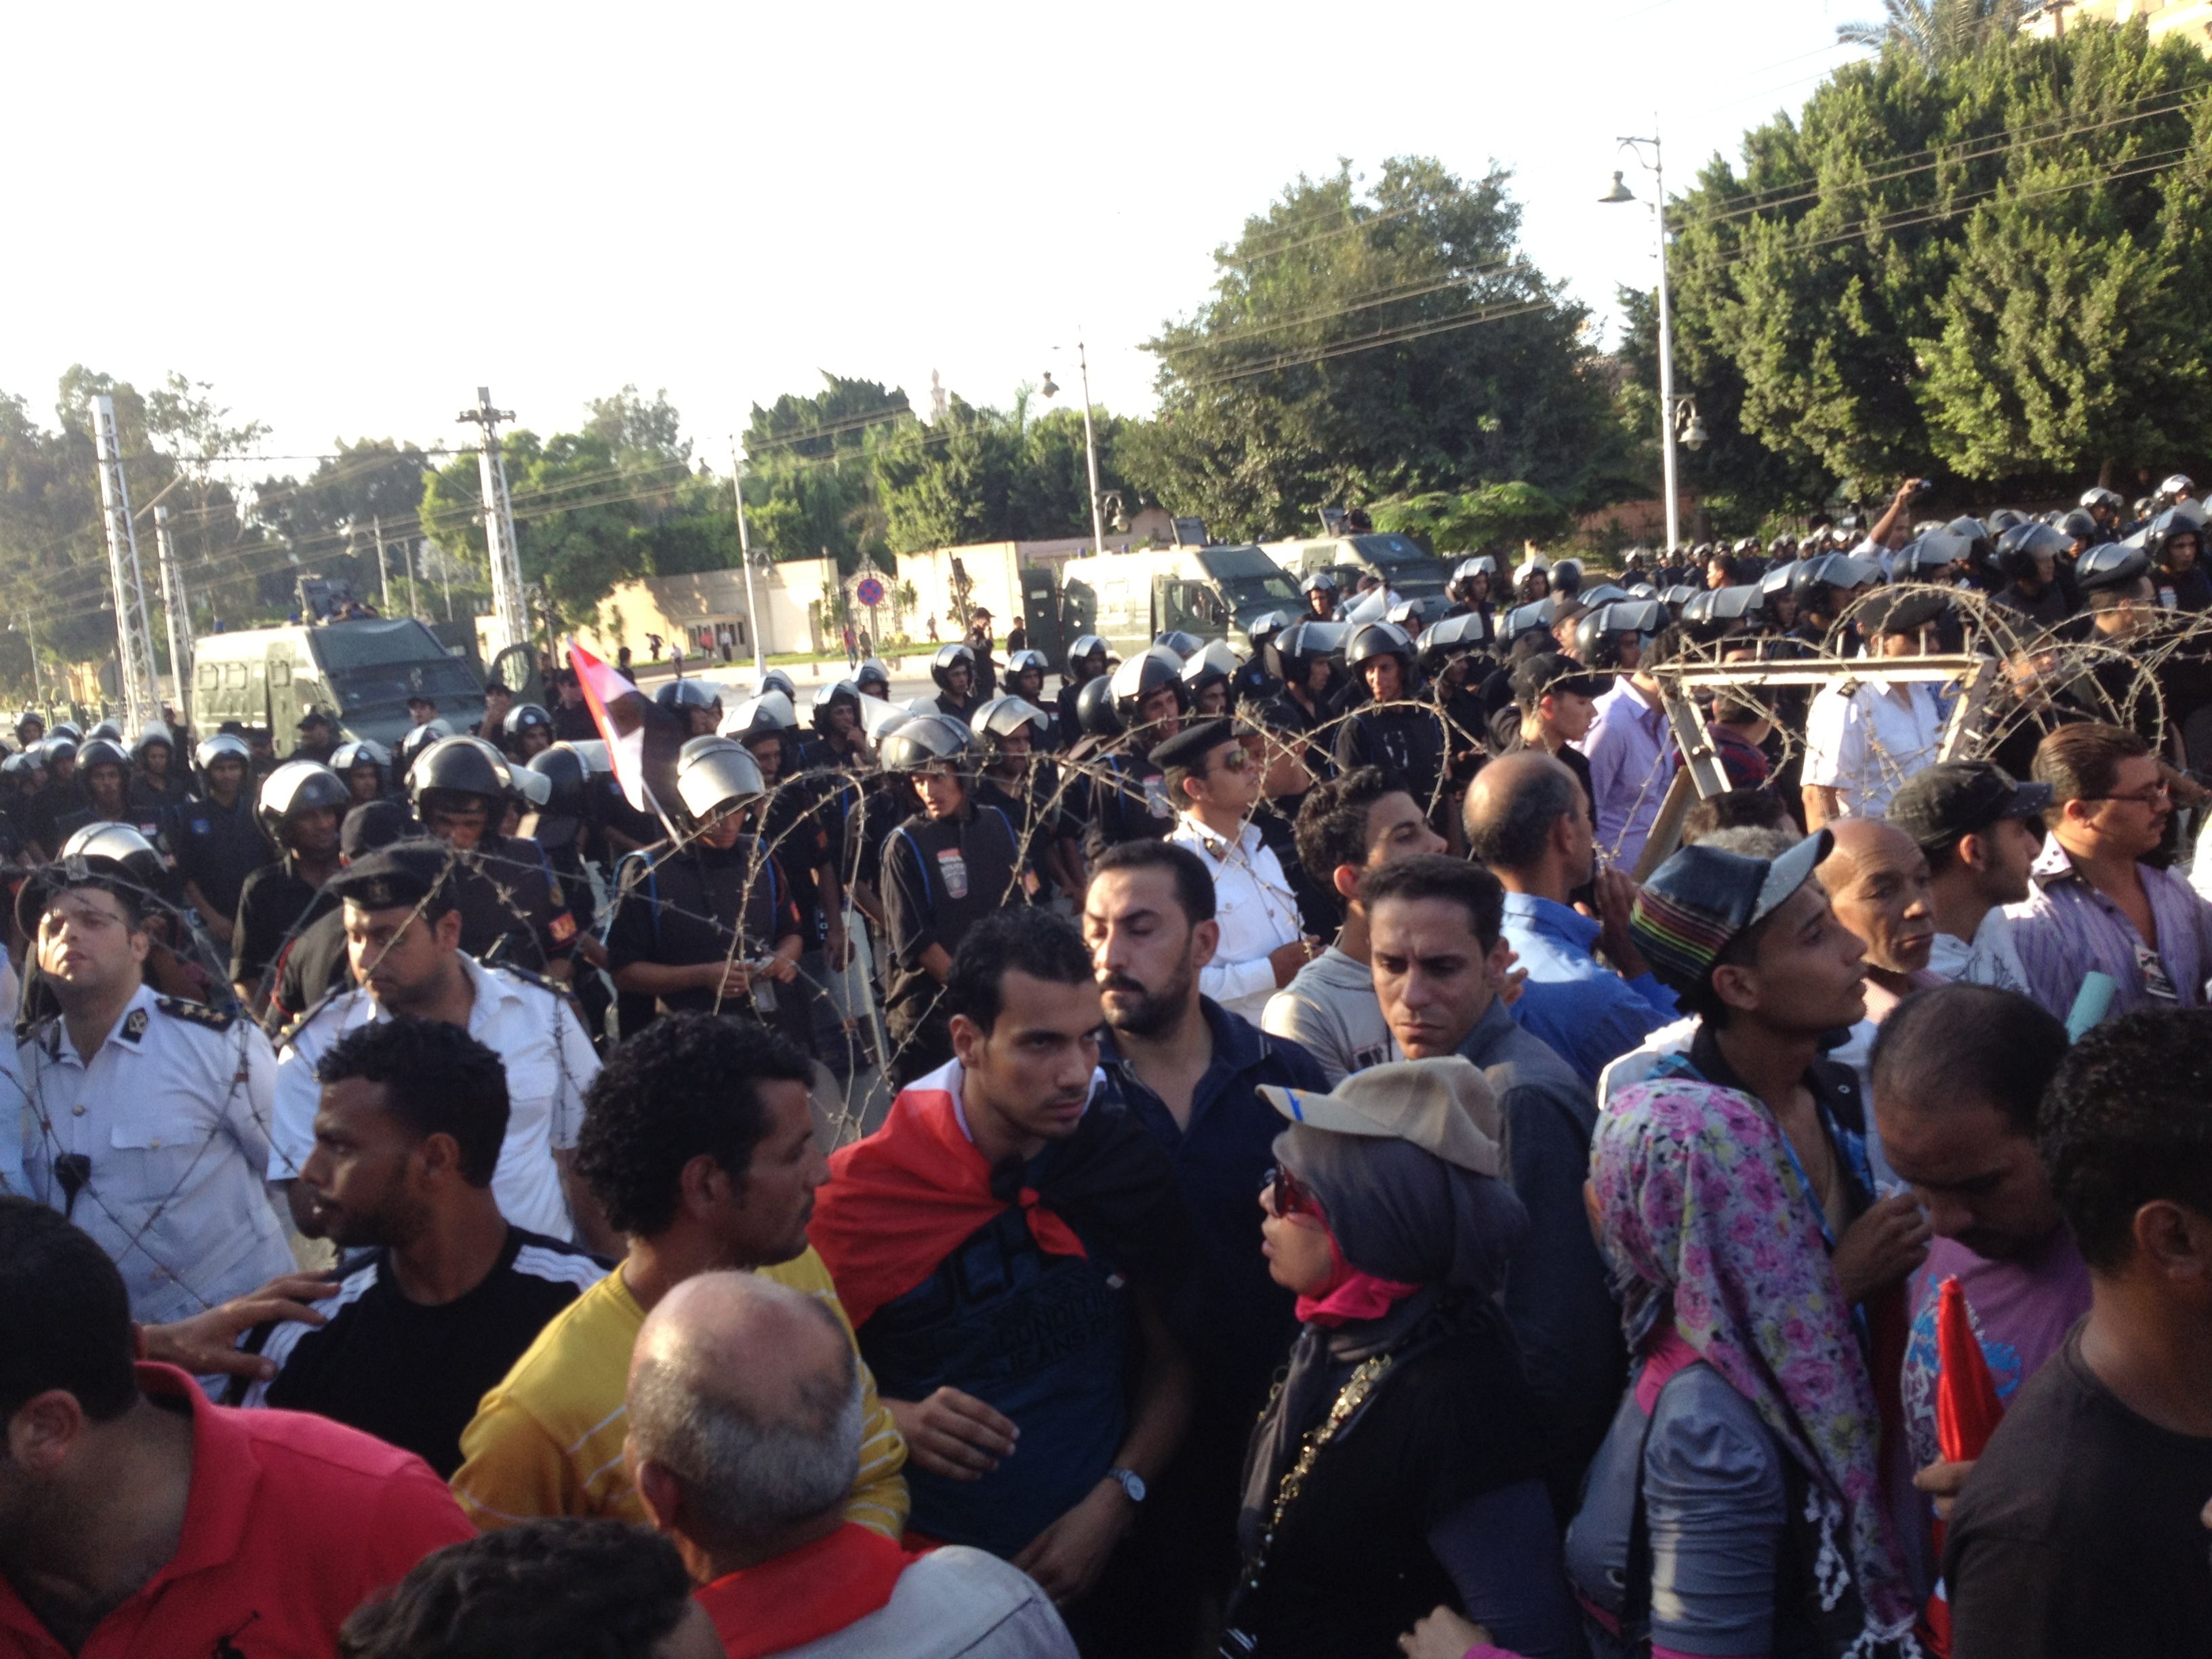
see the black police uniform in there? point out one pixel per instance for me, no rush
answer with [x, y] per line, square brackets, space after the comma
[1038, 810]
[683, 907]
[144, 795]
[518, 901]
[60, 797]
[1407, 742]
[274, 905]
[939, 879]
[1125, 798]
[218, 847]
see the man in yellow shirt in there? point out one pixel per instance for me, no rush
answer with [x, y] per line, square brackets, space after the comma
[697, 1141]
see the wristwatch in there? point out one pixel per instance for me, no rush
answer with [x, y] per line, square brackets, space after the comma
[1132, 1483]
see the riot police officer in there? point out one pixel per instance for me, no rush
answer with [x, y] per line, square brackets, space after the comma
[949, 865]
[527, 730]
[953, 668]
[1019, 779]
[694, 702]
[1086, 661]
[1392, 729]
[299, 806]
[461, 788]
[1126, 794]
[158, 783]
[707, 925]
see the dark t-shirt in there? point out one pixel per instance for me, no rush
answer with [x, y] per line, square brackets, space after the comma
[218, 848]
[677, 908]
[941, 876]
[2079, 1531]
[1039, 1338]
[410, 1374]
[274, 905]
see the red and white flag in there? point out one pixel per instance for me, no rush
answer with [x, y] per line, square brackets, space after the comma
[641, 738]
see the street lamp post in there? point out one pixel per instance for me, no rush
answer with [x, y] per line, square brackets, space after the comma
[1669, 406]
[1089, 446]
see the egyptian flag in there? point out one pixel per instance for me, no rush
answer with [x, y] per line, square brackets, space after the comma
[905, 1198]
[642, 739]
[1967, 1412]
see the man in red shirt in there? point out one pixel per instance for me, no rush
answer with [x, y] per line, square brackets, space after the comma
[139, 1522]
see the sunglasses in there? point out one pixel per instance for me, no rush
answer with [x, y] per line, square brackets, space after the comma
[1288, 1196]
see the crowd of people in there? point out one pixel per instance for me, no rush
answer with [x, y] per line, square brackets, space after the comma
[1372, 1152]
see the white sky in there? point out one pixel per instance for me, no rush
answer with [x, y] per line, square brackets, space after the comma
[348, 218]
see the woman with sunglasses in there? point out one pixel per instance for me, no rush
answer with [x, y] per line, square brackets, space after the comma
[1397, 1468]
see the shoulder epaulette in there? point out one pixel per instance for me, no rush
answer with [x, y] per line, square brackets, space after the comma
[552, 987]
[198, 1013]
[308, 1013]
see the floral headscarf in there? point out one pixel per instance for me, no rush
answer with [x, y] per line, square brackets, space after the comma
[1705, 1216]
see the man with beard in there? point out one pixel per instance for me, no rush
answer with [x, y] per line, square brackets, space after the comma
[1958, 1074]
[407, 1131]
[1007, 1244]
[1190, 1073]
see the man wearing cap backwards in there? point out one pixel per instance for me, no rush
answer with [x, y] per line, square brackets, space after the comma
[1753, 949]
[147, 1115]
[1435, 926]
[1864, 737]
[403, 938]
[1973, 822]
[1216, 782]
[317, 740]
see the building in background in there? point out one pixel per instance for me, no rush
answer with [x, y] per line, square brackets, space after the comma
[2190, 19]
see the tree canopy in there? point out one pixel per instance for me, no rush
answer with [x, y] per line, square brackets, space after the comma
[1998, 261]
[1360, 344]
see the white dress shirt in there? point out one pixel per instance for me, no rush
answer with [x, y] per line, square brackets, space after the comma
[1865, 746]
[549, 1063]
[1256, 909]
[170, 1119]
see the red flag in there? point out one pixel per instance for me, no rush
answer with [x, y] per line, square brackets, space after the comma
[641, 738]
[1967, 1413]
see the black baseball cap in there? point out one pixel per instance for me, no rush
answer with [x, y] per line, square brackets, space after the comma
[1554, 672]
[1939, 805]
[1190, 746]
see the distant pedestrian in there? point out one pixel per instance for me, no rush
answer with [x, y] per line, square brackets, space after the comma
[932, 627]
[852, 646]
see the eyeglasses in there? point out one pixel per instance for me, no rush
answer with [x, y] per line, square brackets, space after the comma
[1287, 1196]
[2150, 796]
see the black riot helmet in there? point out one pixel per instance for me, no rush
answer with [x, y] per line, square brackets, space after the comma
[1452, 637]
[2114, 564]
[2079, 526]
[1020, 663]
[1597, 636]
[928, 740]
[1293, 652]
[526, 715]
[100, 751]
[1264, 628]
[1216, 664]
[415, 740]
[2097, 498]
[568, 794]
[2022, 546]
[1373, 640]
[2162, 531]
[1533, 617]
[2176, 486]
[1002, 717]
[1981, 542]
[1149, 670]
[826, 699]
[948, 658]
[872, 672]
[113, 856]
[1094, 709]
[2004, 519]
[460, 766]
[713, 775]
[679, 697]
[1086, 658]
[299, 786]
[1185, 645]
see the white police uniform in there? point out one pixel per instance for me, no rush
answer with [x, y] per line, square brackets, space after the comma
[519, 1018]
[155, 1146]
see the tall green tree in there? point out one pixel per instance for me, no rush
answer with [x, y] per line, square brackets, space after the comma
[1996, 265]
[810, 479]
[1365, 343]
[1936, 32]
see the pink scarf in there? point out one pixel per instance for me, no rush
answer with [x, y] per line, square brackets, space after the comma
[1350, 1296]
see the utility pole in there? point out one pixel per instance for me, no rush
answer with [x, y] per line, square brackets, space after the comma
[179, 614]
[1090, 452]
[445, 582]
[745, 558]
[414, 603]
[134, 634]
[510, 624]
[383, 571]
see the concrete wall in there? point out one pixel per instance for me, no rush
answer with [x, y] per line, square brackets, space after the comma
[707, 612]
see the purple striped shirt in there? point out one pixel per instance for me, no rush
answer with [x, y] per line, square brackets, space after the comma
[2066, 928]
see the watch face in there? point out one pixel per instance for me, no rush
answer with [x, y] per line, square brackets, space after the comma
[1132, 1483]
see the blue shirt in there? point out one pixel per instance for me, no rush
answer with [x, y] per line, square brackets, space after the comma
[1588, 1014]
[1237, 1323]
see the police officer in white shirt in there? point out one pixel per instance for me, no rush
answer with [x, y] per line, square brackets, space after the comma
[148, 1121]
[403, 938]
[1865, 736]
[1215, 781]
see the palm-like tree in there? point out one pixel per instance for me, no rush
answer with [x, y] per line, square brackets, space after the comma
[1936, 32]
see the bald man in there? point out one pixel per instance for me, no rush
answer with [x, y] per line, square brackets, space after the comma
[744, 1438]
[1528, 819]
[1877, 878]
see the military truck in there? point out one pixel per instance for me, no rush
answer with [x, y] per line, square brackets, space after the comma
[1128, 598]
[361, 673]
[1411, 573]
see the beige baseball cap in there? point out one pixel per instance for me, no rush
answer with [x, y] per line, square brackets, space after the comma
[1443, 1106]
